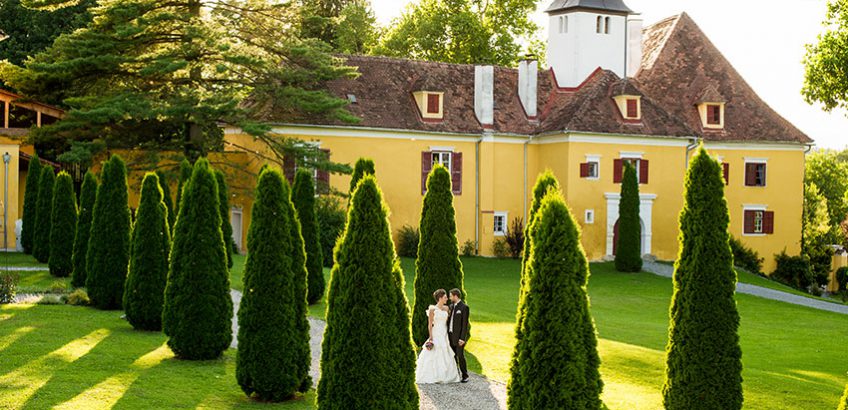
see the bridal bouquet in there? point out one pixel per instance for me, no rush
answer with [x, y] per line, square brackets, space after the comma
[428, 345]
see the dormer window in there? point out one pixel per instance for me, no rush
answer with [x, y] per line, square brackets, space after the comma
[712, 115]
[630, 106]
[430, 104]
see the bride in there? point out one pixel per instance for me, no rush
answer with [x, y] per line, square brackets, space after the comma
[436, 363]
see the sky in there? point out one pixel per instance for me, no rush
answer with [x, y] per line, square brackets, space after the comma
[764, 42]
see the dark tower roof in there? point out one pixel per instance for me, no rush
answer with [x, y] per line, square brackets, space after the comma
[609, 6]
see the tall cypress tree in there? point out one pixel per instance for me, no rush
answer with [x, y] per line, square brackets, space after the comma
[31, 204]
[273, 355]
[303, 197]
[88, 194]
[438, 264]
[166, 198]
[363, 167]
[365, 266]
[703, 357]
[185, 176]
[224, 204]
[109, 242]
[628, 254]
[144, 291]
[198, 308]
[63, 225]
[555, 364]
[41, 246]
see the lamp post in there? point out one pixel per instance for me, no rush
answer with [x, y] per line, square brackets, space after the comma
[6, 159]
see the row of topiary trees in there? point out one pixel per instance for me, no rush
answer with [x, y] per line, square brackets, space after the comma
[555, 363]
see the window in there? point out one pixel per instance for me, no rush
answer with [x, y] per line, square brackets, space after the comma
[433, 104]
[725, 172]
[590, 169]
[443, 159]
[755, 174]
[499, 228]
[599, 25]
[446, 157]
[713, 114]
[430, 104]
[640, 164]
[589, 216]
[606, 25]
[632, 108]
[565, 24]
[758, 222]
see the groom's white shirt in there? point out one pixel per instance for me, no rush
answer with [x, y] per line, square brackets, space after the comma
[450, 327]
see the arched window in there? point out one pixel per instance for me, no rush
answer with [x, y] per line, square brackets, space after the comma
[560, 24]
[565, 24]
[599, 25]
[606, 25]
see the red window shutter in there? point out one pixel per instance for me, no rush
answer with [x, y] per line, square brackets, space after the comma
[750, 174]
[725, 172]
[323, 176]
[584, 170]
[456, 173]
[768, 222]
[289, 166]
[617, 166]
[432, 103]
[426, 166]
[632, 108]
[749, 221]
[643, 171]
[763, 182]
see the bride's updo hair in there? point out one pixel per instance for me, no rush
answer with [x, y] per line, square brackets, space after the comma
[438, 294]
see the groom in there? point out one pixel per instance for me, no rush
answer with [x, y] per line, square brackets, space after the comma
[458, 330]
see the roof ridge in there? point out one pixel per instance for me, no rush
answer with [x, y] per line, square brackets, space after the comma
[414, 61]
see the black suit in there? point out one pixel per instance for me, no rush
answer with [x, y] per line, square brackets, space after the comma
[458, 330]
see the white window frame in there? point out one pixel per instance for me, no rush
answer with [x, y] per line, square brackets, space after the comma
[596, 159]
[755, 208]
[497, 215]
[763, 161]
[589, 216]
[442, 154]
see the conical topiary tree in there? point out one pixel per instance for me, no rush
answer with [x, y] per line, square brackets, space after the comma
[166, 198]
[224, 204]
[703, 357]
[144, 291]
[31, 204]
[185, 176]
[109, 242]
[437, 265]
[628, 253]
[198, 308]
[365, 266]
[88, 194]
[41, 245]
[303, 197]
[63, 226]
[363, 167]
[273, 355]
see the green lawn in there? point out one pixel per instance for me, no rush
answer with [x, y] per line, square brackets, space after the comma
[32, 281]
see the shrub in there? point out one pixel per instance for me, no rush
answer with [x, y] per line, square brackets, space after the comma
[558, 334]
[303, 197]
[745, 257]
[31, 204]
[842, 280]
[48, 299]
[500, 248]
[8, 287]
[144, 290]
[364, 259]
[198, 309]
[41, 244]
[331, 215]
[58, 286]
[703, 356]
[109, 243]
[63, 226]
[437, 265]
[88, 194]
[224, 204]
[407, 244]
[164, 184]
[273, 356]
[363, 167]
[467, 248]
[515, 238]
[794, 271]
[78, 298]
[628, 254]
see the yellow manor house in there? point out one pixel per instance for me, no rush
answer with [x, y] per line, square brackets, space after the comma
[615, 92]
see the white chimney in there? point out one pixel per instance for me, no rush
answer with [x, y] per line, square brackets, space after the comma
[634, 45]
[484, 94]
[527, 85]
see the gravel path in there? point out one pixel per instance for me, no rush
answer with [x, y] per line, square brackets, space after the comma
[759, 291]
[479, 393]
[23, 268]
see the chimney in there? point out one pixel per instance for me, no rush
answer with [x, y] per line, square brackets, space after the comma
[484, 94]
[527, 84]
[634, 45]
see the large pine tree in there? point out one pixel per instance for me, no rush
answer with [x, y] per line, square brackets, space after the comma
[628, 253]
[41, 244]
[88, 194]
[167, 199]
[63, 225]
[224, 204]
[365, 267]
[31, 204]
[555, 364]
[438, 265]
[703, 357]
[109, 243]
[144, 291]
[303, 197]
[273, 355]
[198, 308]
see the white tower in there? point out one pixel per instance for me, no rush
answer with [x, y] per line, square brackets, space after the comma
[584, 35]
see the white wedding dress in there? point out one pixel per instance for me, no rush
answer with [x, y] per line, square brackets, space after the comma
[438, 364]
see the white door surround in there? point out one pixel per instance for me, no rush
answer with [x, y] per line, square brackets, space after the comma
[646, 204]
[236, 221]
